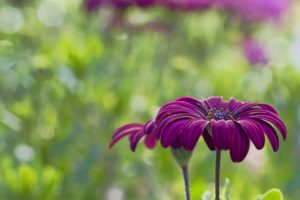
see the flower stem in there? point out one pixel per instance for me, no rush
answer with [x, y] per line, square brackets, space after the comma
[217, 181]
[185, 172]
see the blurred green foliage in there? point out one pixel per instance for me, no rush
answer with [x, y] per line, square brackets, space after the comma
[64, 88]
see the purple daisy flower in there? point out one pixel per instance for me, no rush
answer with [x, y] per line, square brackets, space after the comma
[136, 132]
[254, 52]
[224, 125]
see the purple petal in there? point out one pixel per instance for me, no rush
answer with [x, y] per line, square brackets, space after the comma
[150, 141]
[268, 107]
[195, 102]
[192, 133]
[132, 126]
[177, 143]
[222, 133]
[116, 138]
[171, 131]
[234, 104]
[172, 112]
[165, 122]
[254, 133]
[214, 102]
[249, 107]
[240, 145]
[271, 134]
[272, 120]
[149, 127]
[245, 107]
[134, 140]
[219, 134]
[209, 140]
[179, 107]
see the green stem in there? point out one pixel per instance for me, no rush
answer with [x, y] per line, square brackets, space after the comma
[217, 176]
[185, 173]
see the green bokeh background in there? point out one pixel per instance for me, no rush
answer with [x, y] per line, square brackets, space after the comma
[64, 89]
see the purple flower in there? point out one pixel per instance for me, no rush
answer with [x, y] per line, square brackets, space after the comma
[136, 132]
[254, 52]
[257, 10]
[224, 125]
[188, 4]
[92, 5]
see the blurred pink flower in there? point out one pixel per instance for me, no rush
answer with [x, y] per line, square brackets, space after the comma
[188, 5]
[254, 52]
[92, 5]
[257, 10]
[121, 4]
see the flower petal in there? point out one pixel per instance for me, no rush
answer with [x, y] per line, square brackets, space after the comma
[234, 104]
[120, 135]
[272, 120]
[219, 134]
[192, 133]
[254, 132]
[178, 107]
[222, 133]
[271, 134]
[214, 102]
[150, 141]
[126, 127]
[253, 106]
[134, 140]
[268, 107]
[149, 127]
[209, 140]
[177, 144]
[171, 131]
[166, 121]
[240, 145]
[195, 102]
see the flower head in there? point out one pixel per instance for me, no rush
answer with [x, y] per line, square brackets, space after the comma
[224, 125]
[136, 132]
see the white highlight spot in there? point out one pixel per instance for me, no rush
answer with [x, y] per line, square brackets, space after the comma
[51, 13]
[24, 152]
[11, 20]
[114, 193]
[138, 103]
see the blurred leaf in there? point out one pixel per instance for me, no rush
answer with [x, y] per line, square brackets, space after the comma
[28, 178]
[273, 194]
[226, 189]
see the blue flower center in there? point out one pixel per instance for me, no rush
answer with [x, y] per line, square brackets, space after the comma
[219, 114]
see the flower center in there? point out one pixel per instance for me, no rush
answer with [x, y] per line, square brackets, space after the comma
[219, 114]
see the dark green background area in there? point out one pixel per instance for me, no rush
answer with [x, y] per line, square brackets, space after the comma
[64, 89]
